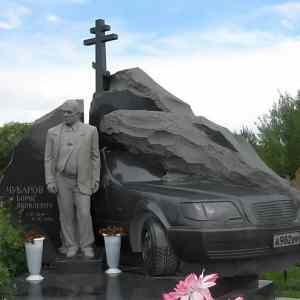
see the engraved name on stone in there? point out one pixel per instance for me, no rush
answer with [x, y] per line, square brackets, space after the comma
[29, 189]
[38, 205]
[30, 203]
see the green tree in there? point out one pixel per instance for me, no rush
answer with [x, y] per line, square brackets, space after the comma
[10, 136]
[279, 136]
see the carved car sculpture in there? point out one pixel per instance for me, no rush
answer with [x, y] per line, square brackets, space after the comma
[192, 194]
[210, 223]
[189, 190]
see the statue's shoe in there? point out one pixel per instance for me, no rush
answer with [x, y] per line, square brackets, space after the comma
[88, 252]
[71, 252]
[63, 250]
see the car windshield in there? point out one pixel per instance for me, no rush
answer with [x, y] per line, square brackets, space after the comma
[126, 167]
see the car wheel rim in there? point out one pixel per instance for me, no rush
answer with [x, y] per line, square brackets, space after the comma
[147, 246]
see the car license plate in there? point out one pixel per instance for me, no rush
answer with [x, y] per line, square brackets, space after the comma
[286, 239]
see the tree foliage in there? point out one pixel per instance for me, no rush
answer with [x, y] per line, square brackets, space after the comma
[277, 140]
[279, 136]
[10, 136]
[12, 254]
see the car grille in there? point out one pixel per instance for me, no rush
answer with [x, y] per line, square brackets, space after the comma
[238, 253]
[275, 212]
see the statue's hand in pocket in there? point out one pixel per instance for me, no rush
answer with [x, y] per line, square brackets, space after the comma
[52, 188]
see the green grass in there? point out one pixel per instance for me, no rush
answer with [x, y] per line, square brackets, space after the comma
[289, 288]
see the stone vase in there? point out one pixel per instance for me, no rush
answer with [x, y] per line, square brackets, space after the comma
[112, 249]
[34, 252]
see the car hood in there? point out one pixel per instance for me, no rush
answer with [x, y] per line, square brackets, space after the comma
[199, 189]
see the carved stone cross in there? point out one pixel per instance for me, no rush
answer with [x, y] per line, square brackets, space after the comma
[102, 75]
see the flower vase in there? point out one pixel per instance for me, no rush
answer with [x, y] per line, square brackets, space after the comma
[34, 252]
[112, 249]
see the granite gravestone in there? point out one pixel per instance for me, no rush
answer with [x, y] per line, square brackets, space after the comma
[141, 122]
[139, 115]
[136, 113]
[23, 185]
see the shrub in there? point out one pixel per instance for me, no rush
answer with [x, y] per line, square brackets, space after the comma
[10, 135]
[12, 254]
[4, 276]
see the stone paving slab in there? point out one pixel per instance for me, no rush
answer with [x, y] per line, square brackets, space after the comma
[130, 285]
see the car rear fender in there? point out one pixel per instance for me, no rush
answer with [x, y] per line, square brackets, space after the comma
[137, 224]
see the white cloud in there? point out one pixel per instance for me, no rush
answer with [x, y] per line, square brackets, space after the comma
[23, 52]
[12, 16]
[288, 9]
[231, 88]
[289, 12]
[54, 18]
[26, 95]
[220, 38]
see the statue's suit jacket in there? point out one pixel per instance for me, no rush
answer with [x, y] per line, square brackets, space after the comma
[88, 156]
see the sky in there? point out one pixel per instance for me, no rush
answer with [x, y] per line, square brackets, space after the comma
[228, 59]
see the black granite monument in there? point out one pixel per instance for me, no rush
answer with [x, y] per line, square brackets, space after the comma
[164, 172]
[171, 177]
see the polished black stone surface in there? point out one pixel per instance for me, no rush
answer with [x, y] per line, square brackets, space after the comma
[78, 263]
[130, 285]
[23, 185]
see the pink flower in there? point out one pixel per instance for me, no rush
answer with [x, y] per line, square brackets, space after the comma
[207, 281]
[239, 298]
[193, 288]
[184, 287]
[170, 296]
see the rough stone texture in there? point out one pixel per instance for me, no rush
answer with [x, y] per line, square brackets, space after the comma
[23, 184]
[144, 118]
[185, 145]
[139, 83]
[134, 89]
[224, 137]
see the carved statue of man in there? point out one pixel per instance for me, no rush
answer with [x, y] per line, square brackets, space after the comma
[72, 171]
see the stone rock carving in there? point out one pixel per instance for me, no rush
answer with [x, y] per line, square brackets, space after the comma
[142, 117]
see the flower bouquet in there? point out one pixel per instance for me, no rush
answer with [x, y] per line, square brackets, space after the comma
[194, 288]
[31, 235]
[113, 231]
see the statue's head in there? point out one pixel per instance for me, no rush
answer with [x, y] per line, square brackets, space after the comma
[71, 112]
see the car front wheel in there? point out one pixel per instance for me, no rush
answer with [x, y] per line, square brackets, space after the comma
[158, 256]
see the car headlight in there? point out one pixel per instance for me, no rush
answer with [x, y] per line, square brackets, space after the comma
[210, 211]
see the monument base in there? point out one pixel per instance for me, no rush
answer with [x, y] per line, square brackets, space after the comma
[127, 286]
[79, 263]
[247, 287]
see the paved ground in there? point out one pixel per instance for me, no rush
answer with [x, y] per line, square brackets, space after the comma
[78, 278]
[130, 285]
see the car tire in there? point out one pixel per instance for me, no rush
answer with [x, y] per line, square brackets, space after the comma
[158, 256]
